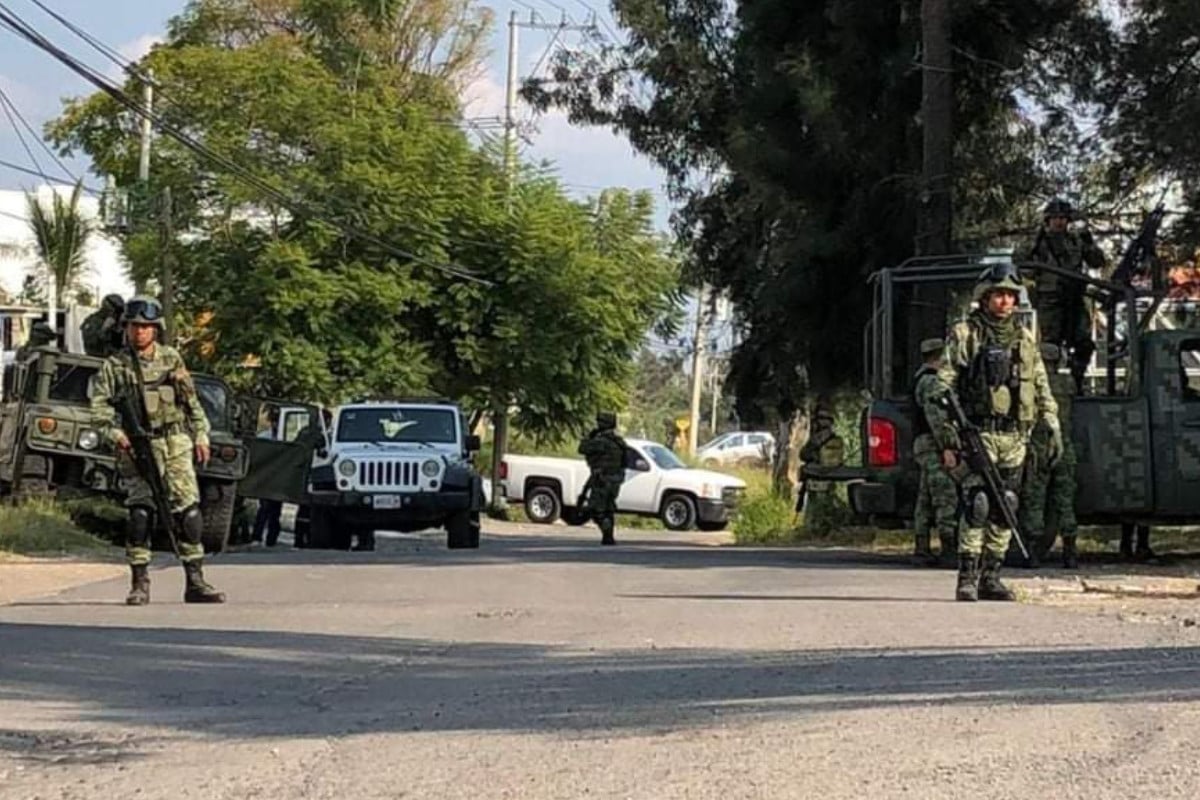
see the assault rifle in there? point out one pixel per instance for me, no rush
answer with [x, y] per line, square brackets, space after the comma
[975, 454]
[1140, 249]
[135, 421]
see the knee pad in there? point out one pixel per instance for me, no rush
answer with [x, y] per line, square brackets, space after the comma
[139, 525]
[978, 507]
[191, 522]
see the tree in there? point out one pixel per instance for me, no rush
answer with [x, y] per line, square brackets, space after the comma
[792, 132]
[60, 235]
[442, 286]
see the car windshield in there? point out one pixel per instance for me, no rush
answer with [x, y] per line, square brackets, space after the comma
[430, 425]
[724, 437]
[663, 457]
[215, 400]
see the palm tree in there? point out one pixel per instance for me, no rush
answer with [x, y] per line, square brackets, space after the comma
[60, 234]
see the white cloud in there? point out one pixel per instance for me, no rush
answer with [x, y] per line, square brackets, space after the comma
[135, 49]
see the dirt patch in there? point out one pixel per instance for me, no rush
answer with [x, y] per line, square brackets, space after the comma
[1169, 595]
[23, 578]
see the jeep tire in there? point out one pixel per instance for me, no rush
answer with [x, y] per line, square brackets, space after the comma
[462, 530]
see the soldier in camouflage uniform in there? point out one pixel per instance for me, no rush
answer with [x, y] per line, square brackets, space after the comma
[102, 330]
[1048, 493]
[604, 451]
[1063, 317]
[40, 335]
[179, 431]
[937, 496]
[994, 366]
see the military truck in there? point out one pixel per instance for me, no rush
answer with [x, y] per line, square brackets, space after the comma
[1136, 433]
[398, 465]
[50, 446]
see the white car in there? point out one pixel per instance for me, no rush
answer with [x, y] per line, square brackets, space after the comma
[657, 484]
[750, 448]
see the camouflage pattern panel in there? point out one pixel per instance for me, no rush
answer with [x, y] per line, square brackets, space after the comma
[1112, 446]
[1172, 375]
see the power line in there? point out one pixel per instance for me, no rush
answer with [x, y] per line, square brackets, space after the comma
[100, 47]
[27, 171]
[11, 106]
[21, 138]
[17, 25]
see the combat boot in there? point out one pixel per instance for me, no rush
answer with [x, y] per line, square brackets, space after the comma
[606, 531]
[990, 586]
[968, 578]
[198, 590]
[1143, 551]
[1070, 554]
[139, 592]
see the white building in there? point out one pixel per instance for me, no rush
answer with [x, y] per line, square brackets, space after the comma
[103, 274]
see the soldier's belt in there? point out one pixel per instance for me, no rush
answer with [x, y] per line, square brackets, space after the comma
[998, 425]
[170, 429]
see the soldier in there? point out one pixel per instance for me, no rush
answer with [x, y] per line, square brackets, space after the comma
[173, 408]
[994, 366]
[1062, 310]
[605, 454]
[823, 448]
[40, 335]
[102, 331]
[937, 497]
[1048, 493]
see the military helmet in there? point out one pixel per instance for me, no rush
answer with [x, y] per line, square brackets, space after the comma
[931, 346]
[1058, 207]
[41, 333]
[999, 277]
[113, 302]
[606, 420]
[143, 311]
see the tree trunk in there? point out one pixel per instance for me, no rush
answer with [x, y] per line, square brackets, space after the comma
[785, 468]
[937, 109]
[499, 448]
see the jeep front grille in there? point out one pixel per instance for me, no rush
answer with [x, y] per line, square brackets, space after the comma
[388, 474]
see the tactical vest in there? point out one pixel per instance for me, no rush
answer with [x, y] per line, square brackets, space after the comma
[603, 452]
[164, 404]
[997, 388]
[921, 424]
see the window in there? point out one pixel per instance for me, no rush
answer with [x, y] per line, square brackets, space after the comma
[215, 401]
[758, 438]
[1189, 369]
[293, 423]
[397, 425]
[72, 383]
[663, 457]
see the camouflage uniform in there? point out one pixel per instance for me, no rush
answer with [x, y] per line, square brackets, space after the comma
[40, 335]
[177, 425]
[605, 454]
[937, 496]
[996, 369]
[101, 331]
[1063, 317]
[1048, 493]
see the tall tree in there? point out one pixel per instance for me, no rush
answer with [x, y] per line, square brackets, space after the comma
[60, 235]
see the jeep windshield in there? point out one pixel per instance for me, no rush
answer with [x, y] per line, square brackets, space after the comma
[215, 400]
[412, 425]
[71, 383]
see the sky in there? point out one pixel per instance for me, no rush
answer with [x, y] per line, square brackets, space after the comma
[587, 159]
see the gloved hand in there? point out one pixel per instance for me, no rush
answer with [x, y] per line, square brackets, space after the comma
[1054, 447]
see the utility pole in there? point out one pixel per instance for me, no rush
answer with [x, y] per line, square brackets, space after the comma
[166, 255]
[699, 344]
[935, 232]
[147, 129]
[510, 105]
[714, 386]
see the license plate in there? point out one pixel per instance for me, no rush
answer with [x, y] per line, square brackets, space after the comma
[388, 501]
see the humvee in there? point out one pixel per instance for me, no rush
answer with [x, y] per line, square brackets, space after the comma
[1136, 432]
[50, 446]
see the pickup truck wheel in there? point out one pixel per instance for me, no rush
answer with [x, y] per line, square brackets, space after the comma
[462, 531]
[679, 512]
[542, 505]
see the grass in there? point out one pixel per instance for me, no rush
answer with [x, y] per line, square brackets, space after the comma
[44, 528]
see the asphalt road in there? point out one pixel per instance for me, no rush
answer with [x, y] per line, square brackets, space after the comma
[545, 666]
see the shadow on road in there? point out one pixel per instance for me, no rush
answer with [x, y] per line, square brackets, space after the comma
[266, 684]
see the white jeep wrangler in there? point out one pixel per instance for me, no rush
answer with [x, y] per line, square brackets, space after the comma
[394, 465]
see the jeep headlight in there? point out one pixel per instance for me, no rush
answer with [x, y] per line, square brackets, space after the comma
[347, 468]
[89, 439]
[430, 469]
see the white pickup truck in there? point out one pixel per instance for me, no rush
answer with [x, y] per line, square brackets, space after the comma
[657, 484]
